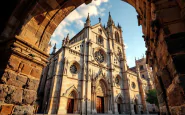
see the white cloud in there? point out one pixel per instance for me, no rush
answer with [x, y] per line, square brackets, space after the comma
[77, 18]
[74, 15]
[126, 46]
[79, 24]
[61, 30]
[98, 2]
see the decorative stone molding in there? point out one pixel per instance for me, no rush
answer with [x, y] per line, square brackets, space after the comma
[69, 90]
[117, 98]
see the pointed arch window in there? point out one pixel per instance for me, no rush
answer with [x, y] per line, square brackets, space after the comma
[73, 69]
[117, 37]
[100, 40]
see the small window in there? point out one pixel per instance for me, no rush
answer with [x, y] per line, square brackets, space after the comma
[117, 37]
[73, 69]
[141, 67]
[143, 76]
[117, 80]
[100, 40]
[133, 85]
[100, 31]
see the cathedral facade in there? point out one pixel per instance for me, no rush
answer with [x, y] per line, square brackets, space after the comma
[89, 74]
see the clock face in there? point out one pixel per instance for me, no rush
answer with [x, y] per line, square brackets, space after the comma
[73, 69]
[99, 57]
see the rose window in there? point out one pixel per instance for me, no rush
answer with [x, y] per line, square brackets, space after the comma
[73, 69]
[99, 57]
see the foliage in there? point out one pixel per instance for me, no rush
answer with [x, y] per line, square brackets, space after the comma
[152, 97]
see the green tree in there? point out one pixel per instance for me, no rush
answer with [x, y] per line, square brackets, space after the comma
[152, 97]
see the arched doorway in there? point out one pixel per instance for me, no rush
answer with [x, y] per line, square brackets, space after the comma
[120, 105]
[72, 102]
[135, 106]
[101, 97]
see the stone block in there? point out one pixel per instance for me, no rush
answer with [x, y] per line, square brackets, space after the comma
[35, 73]
[175, 95]
[32, 84]
[10, 94]
[6, 109]
[10, 78]
[23, 110]
[13, 64]
[26, 69]
[29, 96]
[166, 78]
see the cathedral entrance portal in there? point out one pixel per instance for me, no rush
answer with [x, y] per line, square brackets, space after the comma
[100, 97]
[100, 104]
[70, 105]
[72, 102]
[119, 105]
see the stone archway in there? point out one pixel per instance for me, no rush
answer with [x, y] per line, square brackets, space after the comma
[136, 108]
[28, 25]
[120, 105]
[72, 102]
[101, 97]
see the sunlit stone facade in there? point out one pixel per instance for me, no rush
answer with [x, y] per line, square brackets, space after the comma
[89, 74]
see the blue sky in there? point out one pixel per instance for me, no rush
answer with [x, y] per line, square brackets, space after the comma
[121, 12]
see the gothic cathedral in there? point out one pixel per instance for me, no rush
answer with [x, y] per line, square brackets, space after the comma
[89, 74]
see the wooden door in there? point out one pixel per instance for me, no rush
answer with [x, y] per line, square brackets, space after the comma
[119, 108]
[70, 105]
[135, 108]
[100, 105]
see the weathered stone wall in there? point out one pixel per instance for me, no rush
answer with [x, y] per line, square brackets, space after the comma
[20, 79]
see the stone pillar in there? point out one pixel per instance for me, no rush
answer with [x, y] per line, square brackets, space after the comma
[141, 91]
[57, 77]
[20, 70]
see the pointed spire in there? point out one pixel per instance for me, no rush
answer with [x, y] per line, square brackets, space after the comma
[49, 47]
[63, 41]
[54, 49]
[110, 16]
[88, 21]
[67, 38]
[110, 21]
[54, 46]
[88, 18]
